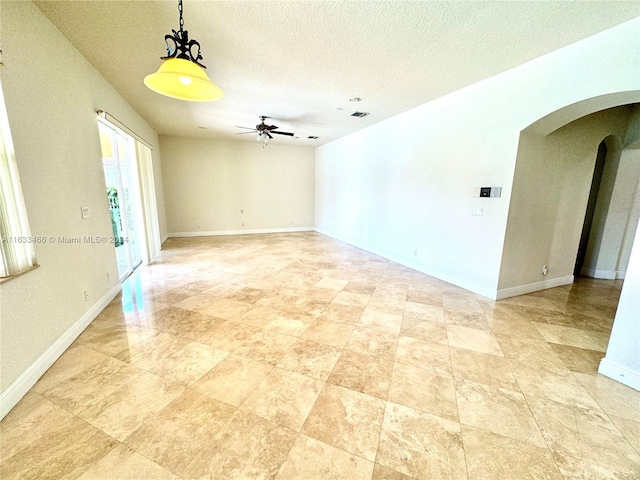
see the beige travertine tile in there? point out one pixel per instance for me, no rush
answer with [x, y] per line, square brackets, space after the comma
[629, 428]
[363, 373]
[284, 397]
[233, 379]
[150, 352]
[122, 412]
[248, 447]
[385, 322]
[123, 463]
[228, 336]
[412, 351]
[427, 330]
[313, 359]
[424, 312]
[494, 457]
[467, 319]
[612, 397]
[112, 340]
[384, 473]
[433, 297]
[189, 364]
[573, 337]
[497, 410]
[287, 326]
[425, 390]
[176, 435]
[186, 324]
[256, 317]
[334, 283]
[310, 458]
[337, 312]
[577, 432]
[226, 308]
[460, 301]
[91, 385]
[578, 359]
[331, 333]
[473, 339]
[72, 362]
[551, 381]
[482, 368]
[197, 302]
[421, 445]
[353, 299]
[528, 351]
[62, 445]
[372, 341]
[573, 468]
[516, 328]
[346, 419]
[266, 346]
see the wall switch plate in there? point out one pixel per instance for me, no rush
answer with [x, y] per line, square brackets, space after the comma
[477, 211]
[496, 192]
[85, 212]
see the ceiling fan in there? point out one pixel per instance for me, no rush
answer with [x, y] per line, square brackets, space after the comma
[264, 131]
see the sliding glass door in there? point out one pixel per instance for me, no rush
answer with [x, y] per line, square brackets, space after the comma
[121, 176]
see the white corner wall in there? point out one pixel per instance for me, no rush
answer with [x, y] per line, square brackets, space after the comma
[52, 94]
[405, 185]
[622, 360]
[215, 187]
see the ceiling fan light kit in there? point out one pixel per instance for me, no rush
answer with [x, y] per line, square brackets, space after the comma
[181, 75]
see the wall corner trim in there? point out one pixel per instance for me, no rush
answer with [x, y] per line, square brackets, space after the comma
[258, 231]
[18, 389]
[533, 287]
[619, 373]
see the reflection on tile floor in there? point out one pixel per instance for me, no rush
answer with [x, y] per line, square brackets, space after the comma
[295, 356]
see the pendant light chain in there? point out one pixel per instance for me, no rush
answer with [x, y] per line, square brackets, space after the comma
[180, 11]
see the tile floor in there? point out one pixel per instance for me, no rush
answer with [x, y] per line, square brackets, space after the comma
[295, 356]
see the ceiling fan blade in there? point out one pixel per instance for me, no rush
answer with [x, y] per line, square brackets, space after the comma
[244, 133]
[289, 134]
[248, 128]
[268, 134]
[271, 127]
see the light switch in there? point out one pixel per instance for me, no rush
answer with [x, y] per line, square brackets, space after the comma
[85, 212]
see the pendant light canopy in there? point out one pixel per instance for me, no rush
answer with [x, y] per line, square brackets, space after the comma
[181, 76]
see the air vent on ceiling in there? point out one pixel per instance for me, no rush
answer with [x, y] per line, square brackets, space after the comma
[312, 137]
[359, 114]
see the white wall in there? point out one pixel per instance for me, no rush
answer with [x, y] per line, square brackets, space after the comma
[550, 191]
[209, 182]
[405, 184]
[622, 360]
[52, 94]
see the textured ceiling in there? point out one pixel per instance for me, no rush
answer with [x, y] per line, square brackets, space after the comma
[300, 62]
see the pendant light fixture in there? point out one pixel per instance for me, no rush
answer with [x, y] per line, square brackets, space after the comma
[181, 76]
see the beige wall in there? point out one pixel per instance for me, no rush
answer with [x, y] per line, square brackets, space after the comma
[52, 94]
[550, 191]
[209, 182]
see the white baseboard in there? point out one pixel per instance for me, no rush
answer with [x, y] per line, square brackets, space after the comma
[18, 389]
[603, 274]
[241, 232]
[164, 239]
[416, 266]
[619, 373]
[533, 287]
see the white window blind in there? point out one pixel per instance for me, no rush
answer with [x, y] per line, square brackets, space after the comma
[15, 236]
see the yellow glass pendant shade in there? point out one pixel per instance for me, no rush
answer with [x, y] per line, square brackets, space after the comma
[184, 80]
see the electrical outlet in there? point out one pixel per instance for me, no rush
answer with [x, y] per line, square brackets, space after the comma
[415, 253]
[477, 211]
[86, 296]
[108, 277]
[198, 227]
[544, 270]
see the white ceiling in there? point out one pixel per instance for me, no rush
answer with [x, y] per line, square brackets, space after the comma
[300, 62]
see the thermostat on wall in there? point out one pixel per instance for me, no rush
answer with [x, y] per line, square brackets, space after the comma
[487, 191]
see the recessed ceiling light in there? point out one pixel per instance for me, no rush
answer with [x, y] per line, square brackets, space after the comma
[312, 137]
[338, 108]
[355, 99]
[359, 114]
[202, 128]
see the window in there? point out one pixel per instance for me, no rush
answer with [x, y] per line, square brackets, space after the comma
[16, 243]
